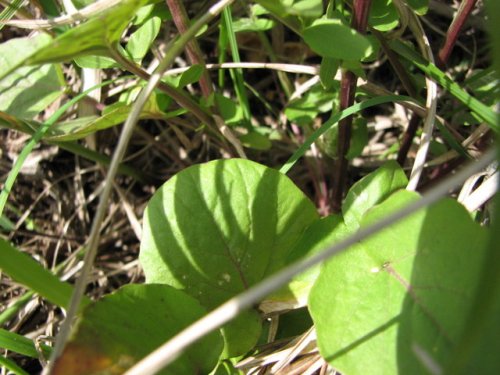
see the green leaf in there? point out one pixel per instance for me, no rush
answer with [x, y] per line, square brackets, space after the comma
[307, 8]
[81, 127]
[419, 6]
[142, 39]
[402, 294]
[248, 24]
[256, 141]
[94, 37]
[120, 329]
[191, 75]
[84, 126]
[304, 110]
[29, 90]
[229, 110]
[10, 365]
[19, 344]
[82, 3]
[218, 228]
[299, 8]
[293, 13]
[383, 15]
[371, 190]
[16, 50]
[28, 272]
[318, 236]
[95, 62]
[331, 38]
[332, 121]
[327, 71]
[359, 138]
[481, 110]
[6, 224]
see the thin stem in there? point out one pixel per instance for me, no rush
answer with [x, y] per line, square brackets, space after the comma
[347, 92]
[466, 7]
[407, 139]
[361, 9]
[193, 50]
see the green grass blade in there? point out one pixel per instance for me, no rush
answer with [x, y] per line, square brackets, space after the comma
[80, 150]
[20, 344]
[13, 309]
[9, 11]
[482, 111]
[336, 118]
[12, 366]
[451, 141]
[28, 272]
[236, 74]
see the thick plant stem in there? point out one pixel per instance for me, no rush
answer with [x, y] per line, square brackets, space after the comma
[193, 50]
[361, 9]
[347, 91]
[463, 13]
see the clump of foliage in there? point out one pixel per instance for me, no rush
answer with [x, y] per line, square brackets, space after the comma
[262, 138]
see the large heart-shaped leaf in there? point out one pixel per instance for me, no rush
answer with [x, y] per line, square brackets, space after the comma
[122, 328]
[363, 195]
[218, 228]
[397, 302]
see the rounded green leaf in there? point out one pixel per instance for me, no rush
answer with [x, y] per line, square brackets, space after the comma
[419, 6]
[141, 40]
[331, 38]
[256, 141]
[29, 90]
[318, 236]
[15, 51]
[371, 190]
[218, 228]
[383, 15]
[120, 329]
[399, 300]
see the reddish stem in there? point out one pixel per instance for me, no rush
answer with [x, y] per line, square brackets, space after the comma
[361, 9]
[193, 50]
[452, 35]
[407, 140]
